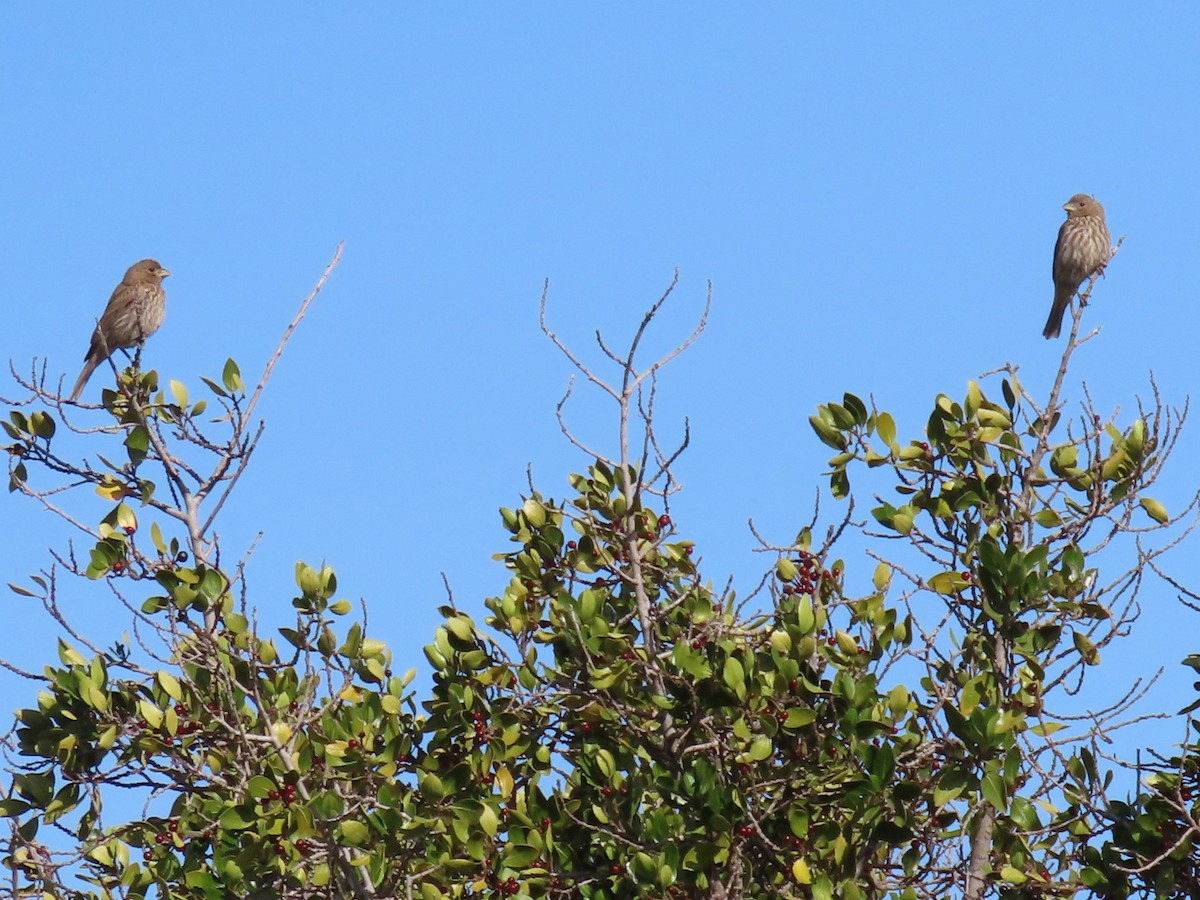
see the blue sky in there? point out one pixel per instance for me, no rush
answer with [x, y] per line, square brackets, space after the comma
[873, 192]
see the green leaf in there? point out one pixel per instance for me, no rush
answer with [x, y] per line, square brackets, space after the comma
[1048, 518]
[1010, 396]
[13, 808]
[170, 684]
[994, 791]
[799, 717]
[42, 424]
[947, 583]
[489, 821]
[761, 748]
[735, 677]
[785, 569]
[234, 820]
[1155, 510]
[885, 427]
[535, 513]
[827, 433]
[214, 387]
[232, 377]
[462, 628]
[857, 408]
[882, 576]
[1085, 646]
[839, 484]
[1012, 875]
[973, 399]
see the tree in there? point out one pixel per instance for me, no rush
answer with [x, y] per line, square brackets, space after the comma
[615, 726]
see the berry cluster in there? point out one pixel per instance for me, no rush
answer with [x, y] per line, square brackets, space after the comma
[287, 794]
[810, 574]
[482, 732]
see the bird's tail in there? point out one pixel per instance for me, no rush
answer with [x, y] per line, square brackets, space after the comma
[89, 366]
[1062, 300]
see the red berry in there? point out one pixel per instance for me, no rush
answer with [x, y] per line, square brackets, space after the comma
[688, 551]
[571, 545]
[664, 521]
[352, 744]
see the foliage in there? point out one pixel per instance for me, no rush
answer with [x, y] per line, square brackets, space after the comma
[615, 726]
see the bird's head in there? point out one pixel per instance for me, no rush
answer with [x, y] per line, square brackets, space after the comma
[146, 270]
[1083, 205]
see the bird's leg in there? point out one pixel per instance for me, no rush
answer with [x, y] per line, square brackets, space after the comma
[1087, 289]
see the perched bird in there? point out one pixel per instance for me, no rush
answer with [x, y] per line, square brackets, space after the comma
[1082, 249]
[135, 311]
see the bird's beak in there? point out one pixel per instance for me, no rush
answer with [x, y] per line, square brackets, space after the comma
[1069, 206]
[163, 273]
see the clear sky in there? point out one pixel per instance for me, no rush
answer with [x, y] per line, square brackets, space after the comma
[872, 189]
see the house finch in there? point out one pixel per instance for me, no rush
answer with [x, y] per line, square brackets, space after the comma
[1082, 249]
[135, 310]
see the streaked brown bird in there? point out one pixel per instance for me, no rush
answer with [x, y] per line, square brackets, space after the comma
[135, 311]
[1082, 249]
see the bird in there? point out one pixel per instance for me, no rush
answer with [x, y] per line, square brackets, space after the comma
[135, 311]
[1082, 249]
